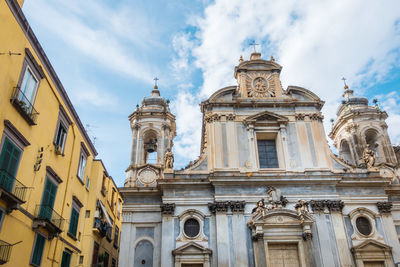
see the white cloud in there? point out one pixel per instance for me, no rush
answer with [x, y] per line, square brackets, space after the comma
[390, 103]
[99, 38]
[316, 42]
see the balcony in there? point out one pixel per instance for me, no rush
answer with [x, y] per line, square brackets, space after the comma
[12, 191]
[48, 219]
[24, 106]
[5, 251]
[100, 227]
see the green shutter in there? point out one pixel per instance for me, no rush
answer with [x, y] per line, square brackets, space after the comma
[66, 259]
[38, 250]
[9, 159]
[49, 195]
[73, 224]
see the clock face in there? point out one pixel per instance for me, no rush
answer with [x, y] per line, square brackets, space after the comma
[147, 176]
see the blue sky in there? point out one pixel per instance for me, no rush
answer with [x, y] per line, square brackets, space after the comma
[107, 53]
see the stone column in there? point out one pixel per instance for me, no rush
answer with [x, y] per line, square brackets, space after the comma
[252, 147]
[239, 233]
[231, 139]
[345, 257]
[259, 250]
[167, 234]
[389, 228]
[220, 209]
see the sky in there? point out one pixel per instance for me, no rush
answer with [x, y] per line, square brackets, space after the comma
[107, 53]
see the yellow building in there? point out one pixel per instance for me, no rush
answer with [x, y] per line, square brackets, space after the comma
[58, 205]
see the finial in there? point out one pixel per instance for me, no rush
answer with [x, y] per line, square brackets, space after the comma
[272, 59]
[345, 85]
[253, 43]
[155, 83]
[240, 59]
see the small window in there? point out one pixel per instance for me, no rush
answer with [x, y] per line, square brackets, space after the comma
[363, 225]
[267, 155]
[28, 88]
[82, 163]
[87, 214]
[2, 215]
[61, 136]
[66, 258]
[37, 251]
[87, 183]
[80, 259]
[113, 262]
[116, 235]
[191, 227]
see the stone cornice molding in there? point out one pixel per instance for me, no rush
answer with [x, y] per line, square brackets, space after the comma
[331, 205]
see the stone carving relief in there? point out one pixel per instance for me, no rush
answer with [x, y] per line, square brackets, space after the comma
[302, 207]
[147, 176]
[223, 206]
[330, 205]
[274, 200]
[384, 206]
[167, 208]
[260, 85]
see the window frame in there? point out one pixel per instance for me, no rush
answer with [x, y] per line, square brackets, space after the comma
[269, 135]
[36, 70]
[76, 206]
[116, 237]
[2, 217]
[66, 251]
[84, 154]
[33, 249]
[63, 122]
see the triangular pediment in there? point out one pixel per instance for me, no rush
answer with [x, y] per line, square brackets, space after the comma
[266, 116]
[191, 248]
[371, 245]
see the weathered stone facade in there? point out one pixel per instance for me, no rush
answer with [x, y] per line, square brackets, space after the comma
[266, 189]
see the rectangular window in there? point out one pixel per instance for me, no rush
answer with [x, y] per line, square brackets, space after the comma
[87, 183]
[2, 213]
[73, 223]
[112, 199]
[267, 155]
[37, 251]
[9, 159]
[95, 255]
[109, 231]
[106, 259]
[113, 262]
[82, 166]
[116, 235]
[28, 88]
[66, 258]
[48, 198]
[61, 136]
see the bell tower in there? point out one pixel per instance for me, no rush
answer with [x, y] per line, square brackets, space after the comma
[360, 133]
[153, 130]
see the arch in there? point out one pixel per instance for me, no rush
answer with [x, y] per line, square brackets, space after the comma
[373, 137]
[144, 253]
[345, 152]
[150, 145]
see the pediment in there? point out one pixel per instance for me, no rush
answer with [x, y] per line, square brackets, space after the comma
[371, 245]
[266, 117]
[283, 217]
[191, 248]
[223, 95]
[303, 94]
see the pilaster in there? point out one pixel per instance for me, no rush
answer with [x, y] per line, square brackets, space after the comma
[385, 208]
[167, 235]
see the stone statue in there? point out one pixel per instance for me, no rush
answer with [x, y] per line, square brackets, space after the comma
[169, 159]
[260, 208]
[275, 198]
[369, 157]
[260, 86]
[302, 207]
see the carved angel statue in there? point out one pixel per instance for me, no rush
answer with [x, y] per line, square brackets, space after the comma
[302, 207]
[369, 157]
[169, 159]
[259, 209]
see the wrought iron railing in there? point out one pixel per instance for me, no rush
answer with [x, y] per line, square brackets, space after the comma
[45, 212]
[24, 106]
[12, 185]
[101, 226]
[5, 251]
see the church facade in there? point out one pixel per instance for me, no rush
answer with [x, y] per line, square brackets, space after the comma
[266, 189]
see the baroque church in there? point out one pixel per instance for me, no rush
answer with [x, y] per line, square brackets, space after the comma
[266, 189]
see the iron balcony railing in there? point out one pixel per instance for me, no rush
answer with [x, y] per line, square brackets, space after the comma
[45, 212]
[12, 185]
[5, 251]
[24, 106]
[101, 226]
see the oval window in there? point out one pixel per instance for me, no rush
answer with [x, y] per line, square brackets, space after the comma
[363, 225]
[191, 227]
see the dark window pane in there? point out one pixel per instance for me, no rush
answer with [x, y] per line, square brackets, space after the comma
[267, 154]
[363, 226]
[38, 250]
[192, 227]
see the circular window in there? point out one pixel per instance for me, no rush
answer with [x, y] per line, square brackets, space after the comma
[191, 227]
[363, 225]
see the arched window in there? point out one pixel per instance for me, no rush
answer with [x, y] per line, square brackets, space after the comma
[345, 153]
[144, 254]
[150, 147]
[371, 137]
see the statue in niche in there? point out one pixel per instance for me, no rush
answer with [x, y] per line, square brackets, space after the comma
[169, 159]
[369, 157]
